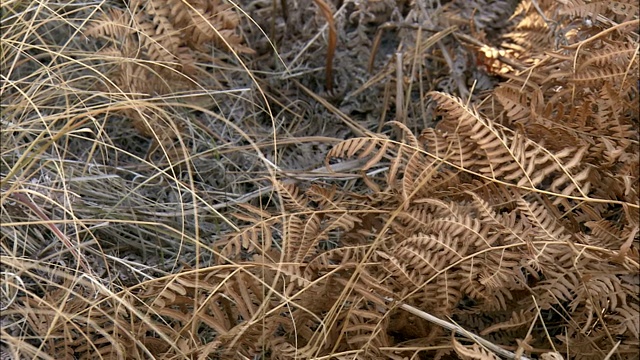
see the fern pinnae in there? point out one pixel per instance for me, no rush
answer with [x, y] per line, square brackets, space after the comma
[617, 53]
[464, 227]
[542, 220]
[311, 235]
[344, 257]
[418, 175]
[375, 159]
[292, 197]
[409, 139]
[519, 319]
[364, 147]
[348, 148]
[474, 351]
[113, 24]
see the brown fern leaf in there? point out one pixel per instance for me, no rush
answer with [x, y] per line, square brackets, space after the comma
[301, 237]
[605, 234]
[160, 42]
[443, 208]
[326, 197]
[423, 177]
[558, 285]
[544, 225]
[553, 138]
[205, 21]
[601, 292]
[114, 24]
[360, 326]
[406, 277]
[506, 155]
[372, 149]
[343, 257]
[293, 199]
[508, 225]
[449, 147]
[517, 104]
[489, 279]
[448, 293]
[625, 321]
[476, 233]
[96, 329]
[530, 34]
[619, 10]
[472, 352]
[156, 33]
[520, 319]
[613, 121]
[256, 237]
[414, 219]
[593, 75]
[304, 234]
[429, 262]
[494, 194]
[611, 54]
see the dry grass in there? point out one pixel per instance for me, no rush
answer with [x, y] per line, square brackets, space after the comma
[180, 196]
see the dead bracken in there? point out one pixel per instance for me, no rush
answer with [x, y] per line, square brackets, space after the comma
[320, 179]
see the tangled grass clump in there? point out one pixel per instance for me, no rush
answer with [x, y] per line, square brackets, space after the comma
[176, 184]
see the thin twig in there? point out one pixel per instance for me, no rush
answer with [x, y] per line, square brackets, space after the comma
[613, 350]
[400, 116]
[459, 330]
[333, 41]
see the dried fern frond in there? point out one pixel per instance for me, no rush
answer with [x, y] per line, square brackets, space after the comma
[159, 44]
[505, 155]
[618, 11]
[474, 351]
[371, 149]
[113, 24]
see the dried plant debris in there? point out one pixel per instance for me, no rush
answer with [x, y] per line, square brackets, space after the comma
[315, 179]
[158, 45]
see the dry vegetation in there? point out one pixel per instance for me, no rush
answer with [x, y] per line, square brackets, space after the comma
[370, 179]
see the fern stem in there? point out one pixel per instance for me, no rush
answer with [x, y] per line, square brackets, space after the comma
[455, 328]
